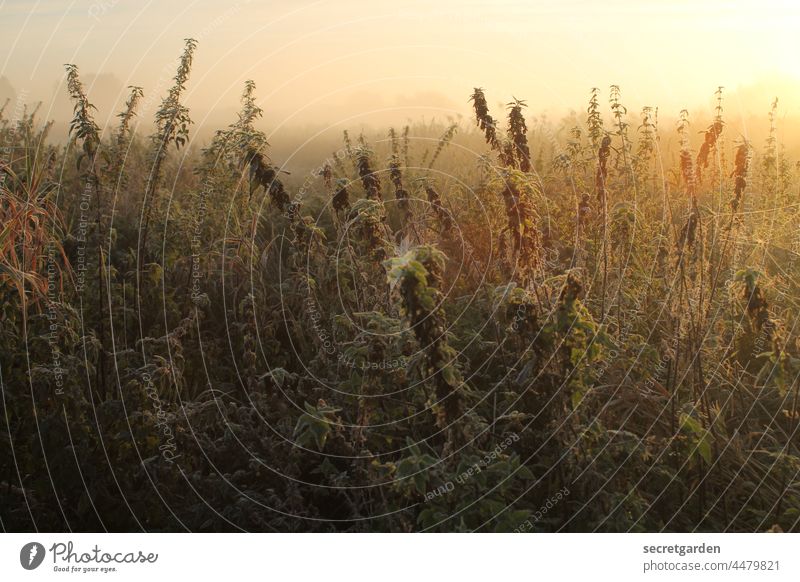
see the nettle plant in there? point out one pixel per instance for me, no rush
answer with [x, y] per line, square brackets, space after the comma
[416, 277]
[172, 122]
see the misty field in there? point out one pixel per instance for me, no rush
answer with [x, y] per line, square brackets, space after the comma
[497, 324]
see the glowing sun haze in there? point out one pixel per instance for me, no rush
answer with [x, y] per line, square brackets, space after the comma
[356, 61]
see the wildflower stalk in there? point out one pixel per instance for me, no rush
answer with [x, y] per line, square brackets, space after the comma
[172, 126]
[83, 128]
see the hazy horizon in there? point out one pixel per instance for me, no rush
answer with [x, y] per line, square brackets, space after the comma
[351, 65]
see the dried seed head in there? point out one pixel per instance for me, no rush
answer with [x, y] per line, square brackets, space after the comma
[741, 166]
[517, 129]
[602, 168]
[485, 121]
[370, 181]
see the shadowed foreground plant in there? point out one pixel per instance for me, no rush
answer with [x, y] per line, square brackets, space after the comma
[416, 277]
[84, 128]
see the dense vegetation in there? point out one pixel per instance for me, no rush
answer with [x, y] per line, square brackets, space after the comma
[494, 329]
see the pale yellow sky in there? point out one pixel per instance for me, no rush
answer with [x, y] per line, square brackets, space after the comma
[350, 62]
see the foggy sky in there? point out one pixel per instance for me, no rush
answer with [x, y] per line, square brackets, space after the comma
[349, 62]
